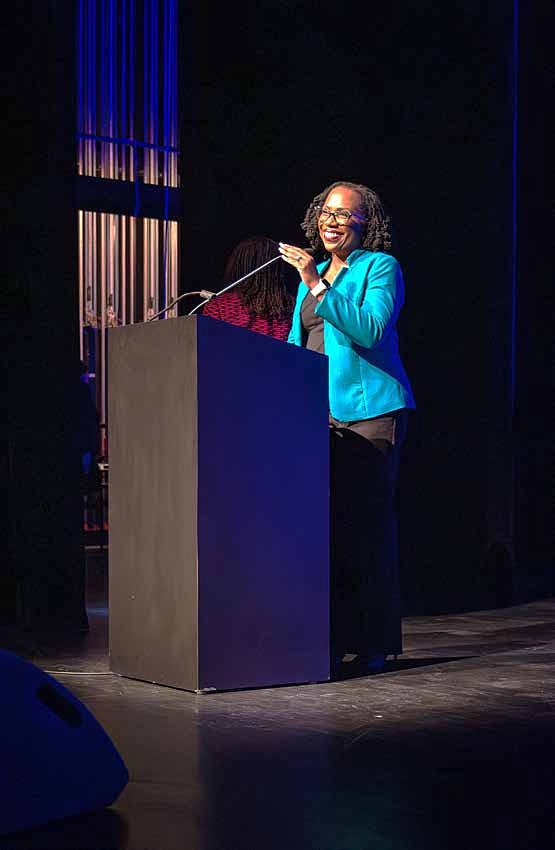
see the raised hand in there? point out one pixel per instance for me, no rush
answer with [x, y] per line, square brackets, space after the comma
[300, 259]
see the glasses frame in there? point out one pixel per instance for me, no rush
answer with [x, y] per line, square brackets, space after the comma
[347, 214]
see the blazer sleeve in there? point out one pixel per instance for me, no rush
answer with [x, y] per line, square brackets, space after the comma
[368, 322]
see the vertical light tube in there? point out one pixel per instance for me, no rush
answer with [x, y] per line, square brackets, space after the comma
[122, 129]
[132, 267]
[90, 74]
[114, 265]
[107, 91]
[146, 160]
[102, 323]
[166, 95]
[80, 76]
[132, 76]
[173, 88]
[146, 270]
[102, 101]
[154, 265]
[154, 87]
[93, 251]
[87, 266]
[90, 311]
[124, 226]
[81, 280]
[174, 263]
[93, 94]
[112, 100]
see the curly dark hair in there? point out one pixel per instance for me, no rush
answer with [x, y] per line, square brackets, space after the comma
[265, 293]
[377, 236]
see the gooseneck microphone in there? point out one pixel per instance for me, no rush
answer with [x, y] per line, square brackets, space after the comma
[207, 296]
[204, 293]
[231, 285]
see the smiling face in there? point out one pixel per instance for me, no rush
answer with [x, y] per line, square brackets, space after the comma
[342, 238]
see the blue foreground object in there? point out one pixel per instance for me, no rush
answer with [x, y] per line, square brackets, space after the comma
[56, 760]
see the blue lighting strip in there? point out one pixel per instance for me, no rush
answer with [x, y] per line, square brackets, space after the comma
[93, 82]
[132, 18]
[123, 81]
[169, 83]
[154, 78]
[146, 99]
[102, 79]
[113, 115]
[165, 129]
[107, 89]
[80, 77]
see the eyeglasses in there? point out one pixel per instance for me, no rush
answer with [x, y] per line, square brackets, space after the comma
[341, 216]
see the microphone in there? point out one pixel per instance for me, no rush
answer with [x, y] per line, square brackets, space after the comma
[309, 250]
[235, 283]
[204, 293]
[207, 296]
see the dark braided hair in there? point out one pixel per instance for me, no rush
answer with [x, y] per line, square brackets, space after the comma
[376, 237]
[265, 293]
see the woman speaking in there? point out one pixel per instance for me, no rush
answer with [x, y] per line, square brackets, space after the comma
[347, 308]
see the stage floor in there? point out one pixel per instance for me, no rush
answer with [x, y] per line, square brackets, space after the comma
[452, 747]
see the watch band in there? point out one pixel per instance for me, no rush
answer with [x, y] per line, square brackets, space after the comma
[320, 287]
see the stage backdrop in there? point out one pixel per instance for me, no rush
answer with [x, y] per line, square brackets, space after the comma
[43, 573]
[420, 102]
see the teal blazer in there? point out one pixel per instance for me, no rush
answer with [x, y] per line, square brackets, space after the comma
[366, 376]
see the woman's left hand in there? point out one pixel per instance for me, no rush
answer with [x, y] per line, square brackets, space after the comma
[302, 261]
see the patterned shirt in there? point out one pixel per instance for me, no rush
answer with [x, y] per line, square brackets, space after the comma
[229, 308]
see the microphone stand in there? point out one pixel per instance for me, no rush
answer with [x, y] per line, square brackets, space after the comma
[207, 295]
[204, 293]
[231, 285]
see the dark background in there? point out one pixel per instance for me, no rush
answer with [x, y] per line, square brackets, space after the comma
[278, 100]
[416, 100]
[42, 578]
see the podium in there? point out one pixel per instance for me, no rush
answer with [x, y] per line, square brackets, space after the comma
[218, 507]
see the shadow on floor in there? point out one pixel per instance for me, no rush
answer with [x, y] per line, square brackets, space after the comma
[92, 831]
[352, 670]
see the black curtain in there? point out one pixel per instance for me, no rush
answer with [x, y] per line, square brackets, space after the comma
[417, 101]
[43, 573]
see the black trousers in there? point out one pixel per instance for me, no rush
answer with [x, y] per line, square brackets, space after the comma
[365, 596]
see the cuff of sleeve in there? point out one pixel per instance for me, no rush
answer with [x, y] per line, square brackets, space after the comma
[319, 288]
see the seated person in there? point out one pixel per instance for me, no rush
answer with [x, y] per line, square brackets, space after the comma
[262, 303]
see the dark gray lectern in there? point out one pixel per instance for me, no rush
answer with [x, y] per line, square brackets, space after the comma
[219, 564]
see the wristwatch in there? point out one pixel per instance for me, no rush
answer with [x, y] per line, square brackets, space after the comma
[321, 286]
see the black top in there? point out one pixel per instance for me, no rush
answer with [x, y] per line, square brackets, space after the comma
[313, 326]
